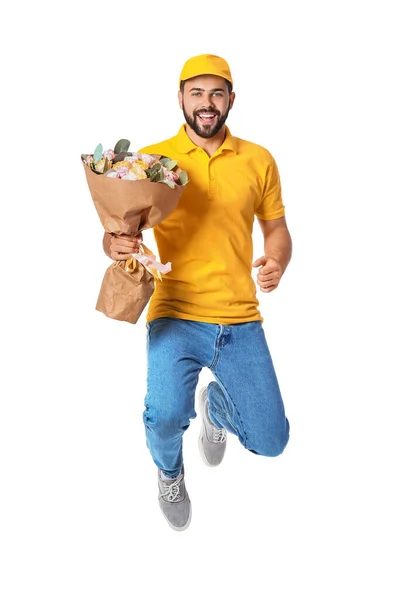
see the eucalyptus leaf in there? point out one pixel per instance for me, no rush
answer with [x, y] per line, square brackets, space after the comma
[156, 176]
[169, 183]
[121, 156]
[98, 153]
[183, 178]
[155, 172]
[164, 161]
[170, 164]
[122, 146]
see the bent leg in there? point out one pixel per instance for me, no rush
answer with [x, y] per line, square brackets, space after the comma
[246, 399]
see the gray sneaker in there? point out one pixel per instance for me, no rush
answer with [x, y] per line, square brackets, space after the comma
[174, 502]
[212, 440]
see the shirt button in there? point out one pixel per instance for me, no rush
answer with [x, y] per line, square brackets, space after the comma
[212, 178]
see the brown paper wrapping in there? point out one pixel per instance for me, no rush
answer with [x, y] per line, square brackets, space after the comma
[128, 207]
[123, 296]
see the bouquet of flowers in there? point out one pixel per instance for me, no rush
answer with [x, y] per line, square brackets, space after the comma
[131, 192]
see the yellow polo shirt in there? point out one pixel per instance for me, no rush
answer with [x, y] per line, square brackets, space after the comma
[208, 236]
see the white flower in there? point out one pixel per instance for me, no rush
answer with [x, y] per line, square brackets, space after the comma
[132, 158]
[147, 158]
[121, 171]
[131, 176]
[109, 154]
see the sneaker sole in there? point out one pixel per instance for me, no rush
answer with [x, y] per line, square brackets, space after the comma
[184, 526]
[201, 436]
[201, 449]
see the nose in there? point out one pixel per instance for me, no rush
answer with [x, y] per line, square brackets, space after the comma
[210, 108]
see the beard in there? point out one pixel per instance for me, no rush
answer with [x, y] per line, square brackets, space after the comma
[205, 130]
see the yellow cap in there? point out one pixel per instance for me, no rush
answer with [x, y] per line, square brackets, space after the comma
[205, 64]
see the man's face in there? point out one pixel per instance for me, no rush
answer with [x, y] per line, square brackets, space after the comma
[206, 103]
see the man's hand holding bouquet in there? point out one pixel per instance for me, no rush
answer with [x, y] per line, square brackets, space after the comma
[131, 192]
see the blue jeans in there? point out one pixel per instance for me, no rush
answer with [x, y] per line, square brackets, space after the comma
[245, 398]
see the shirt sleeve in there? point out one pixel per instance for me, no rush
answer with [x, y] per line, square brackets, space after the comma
[271, 205]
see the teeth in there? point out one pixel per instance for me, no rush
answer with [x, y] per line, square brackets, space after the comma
[207, 115]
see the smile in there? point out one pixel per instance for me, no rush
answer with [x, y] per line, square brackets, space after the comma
[206, 117]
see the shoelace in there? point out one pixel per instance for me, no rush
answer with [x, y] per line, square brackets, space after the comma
[172, 491]
[218, 435]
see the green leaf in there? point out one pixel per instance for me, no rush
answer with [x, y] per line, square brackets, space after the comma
[171, 164]
[98, 153]
[155, 173]
[122, 146]
[168, 163]
[105, 166]
[183, 178]
[121, 156]
[158, 177]
[170, 183]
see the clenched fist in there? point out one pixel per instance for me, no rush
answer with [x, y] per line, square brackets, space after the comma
[269, 274]
[123, 246]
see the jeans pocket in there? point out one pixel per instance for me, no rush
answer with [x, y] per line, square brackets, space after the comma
[150, 324]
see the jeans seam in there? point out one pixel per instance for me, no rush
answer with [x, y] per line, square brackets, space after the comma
[216, 355]
[219, 412]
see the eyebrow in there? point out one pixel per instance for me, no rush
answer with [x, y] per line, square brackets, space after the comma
[197, 89]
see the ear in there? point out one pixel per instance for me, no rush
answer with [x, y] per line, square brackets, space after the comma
[231, 99]
[180, 97]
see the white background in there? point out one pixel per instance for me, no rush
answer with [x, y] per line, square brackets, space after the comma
[317, 84]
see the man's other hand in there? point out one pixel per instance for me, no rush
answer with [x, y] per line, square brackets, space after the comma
[269, 274]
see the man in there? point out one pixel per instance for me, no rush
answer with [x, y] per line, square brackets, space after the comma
[204, 313]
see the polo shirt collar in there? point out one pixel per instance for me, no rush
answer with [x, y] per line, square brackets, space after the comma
[184, 145]
[229, 142]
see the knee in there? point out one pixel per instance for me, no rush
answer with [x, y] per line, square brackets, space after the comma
[271, 448]
[164, 420]
[270, 445]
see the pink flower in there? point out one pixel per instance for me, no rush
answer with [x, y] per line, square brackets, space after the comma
[170, 175]
[135, 156]
[109, 154]
[130, 176]
[121, 171]
[147, 158]
[89, 159]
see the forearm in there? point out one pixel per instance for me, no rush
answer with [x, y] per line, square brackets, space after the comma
[278, 245]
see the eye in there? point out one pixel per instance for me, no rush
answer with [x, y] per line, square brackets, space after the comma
[218, 94]
[196, 94]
